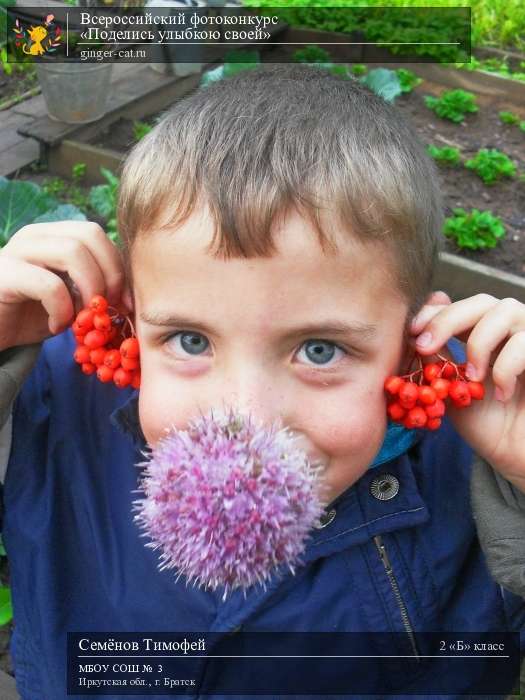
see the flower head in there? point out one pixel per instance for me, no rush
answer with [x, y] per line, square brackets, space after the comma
[229, 502]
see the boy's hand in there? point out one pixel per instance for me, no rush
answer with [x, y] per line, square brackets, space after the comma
[48, 272]
[494, 333]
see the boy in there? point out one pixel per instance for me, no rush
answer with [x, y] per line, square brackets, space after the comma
[329, 217]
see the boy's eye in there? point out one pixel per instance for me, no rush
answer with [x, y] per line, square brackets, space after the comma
[191, 342]
[320, 352]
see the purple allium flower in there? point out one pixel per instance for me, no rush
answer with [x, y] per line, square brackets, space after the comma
[229, 501]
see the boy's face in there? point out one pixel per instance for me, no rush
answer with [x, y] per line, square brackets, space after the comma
[242, 343]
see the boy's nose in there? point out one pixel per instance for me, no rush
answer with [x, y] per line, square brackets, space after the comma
[252, 393]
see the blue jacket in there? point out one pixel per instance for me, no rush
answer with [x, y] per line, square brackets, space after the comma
[407, 564]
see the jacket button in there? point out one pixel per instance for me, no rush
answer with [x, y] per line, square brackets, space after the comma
[384, 487]
[327, 518]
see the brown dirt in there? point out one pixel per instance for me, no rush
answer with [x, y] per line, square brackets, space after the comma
[17, 83]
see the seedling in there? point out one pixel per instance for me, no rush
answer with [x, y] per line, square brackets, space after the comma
[475, 230]
[509, 118]
[453, 104]
[447, 155]
[78, 171]
[491, 165]
[408, 80]
[358, 69]
[311, 54]
[140, 129]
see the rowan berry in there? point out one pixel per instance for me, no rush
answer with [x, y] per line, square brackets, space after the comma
[436, 410]
[393, 384]
[78, 329]
[88, 368]
[431, 371]
[433, 423]
[448, 370]
[84, 319]
[98, 303]
[441, 387]
[476, 390]
[416, 418]
[130, 348]
[408, 394]
[81, 354]
[105, 374]
[97, 356]
[462, 402]
[426, 395]
[396, 411]
[458, 390]
[94, 339]
[129, 364]
[121, 377]
[102, 322]
[112, 359]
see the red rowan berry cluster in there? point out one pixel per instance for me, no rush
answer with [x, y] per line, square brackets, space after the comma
[417, 400]
[106, 345]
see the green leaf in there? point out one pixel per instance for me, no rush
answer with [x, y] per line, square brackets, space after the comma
[475, 230]
[408, 80]
[112, 179]
[383, 82]
[63, 212]
[445, 156]
[212, 76]
[453, 105]
[6, 609]
[491, 165]
[24, 202]
[102, 200]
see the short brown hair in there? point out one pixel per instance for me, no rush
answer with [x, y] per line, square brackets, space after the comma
[282, 135]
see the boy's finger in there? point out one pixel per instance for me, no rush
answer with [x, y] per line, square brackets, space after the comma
[504, 319]
[510, 364]
[439, 297]
[427, 312]
[95, 239]
[456, 319]
[65, 255]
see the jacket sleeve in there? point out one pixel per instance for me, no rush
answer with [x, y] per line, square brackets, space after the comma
[499, 512]
[15, 365]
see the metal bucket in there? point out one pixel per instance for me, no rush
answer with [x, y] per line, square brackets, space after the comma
[75, 93]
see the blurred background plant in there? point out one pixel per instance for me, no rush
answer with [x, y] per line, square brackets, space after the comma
[499, 23]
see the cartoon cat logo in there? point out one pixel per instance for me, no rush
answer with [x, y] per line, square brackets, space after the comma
[43, 38]
[37, 35]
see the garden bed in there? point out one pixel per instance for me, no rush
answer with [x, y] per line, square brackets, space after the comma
[462, 187]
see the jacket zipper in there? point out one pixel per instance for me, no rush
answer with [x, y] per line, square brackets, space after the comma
[402, 607]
